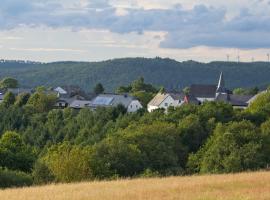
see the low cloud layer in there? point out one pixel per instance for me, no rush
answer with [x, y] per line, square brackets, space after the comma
[186, 28]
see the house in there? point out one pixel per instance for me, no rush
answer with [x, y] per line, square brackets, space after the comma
[18, 91]
[79, 104]
[113, 100]
[67, 95]
[165, 100]
[237, 101]
[70, 91]
[203, 92]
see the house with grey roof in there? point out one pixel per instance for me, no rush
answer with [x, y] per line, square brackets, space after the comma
[18, 91]
[113, 100]
[79, 104]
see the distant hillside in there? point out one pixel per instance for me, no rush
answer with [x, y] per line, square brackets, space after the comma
[113, 73]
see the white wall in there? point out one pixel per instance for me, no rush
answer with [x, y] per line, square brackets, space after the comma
[206, 99]
[168, 102]
[134, 106]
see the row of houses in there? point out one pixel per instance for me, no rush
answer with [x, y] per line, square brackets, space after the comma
[198, 94]
[74, 97]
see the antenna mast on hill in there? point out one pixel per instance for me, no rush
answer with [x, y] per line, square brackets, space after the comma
[238, 57]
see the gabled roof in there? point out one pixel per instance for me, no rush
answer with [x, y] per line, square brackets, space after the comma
[70, 91]
[158, 99]
[203, 91]
[177, 96]
[107, 100]
[235, 100]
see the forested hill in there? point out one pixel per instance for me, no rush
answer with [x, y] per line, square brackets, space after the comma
[113, 73]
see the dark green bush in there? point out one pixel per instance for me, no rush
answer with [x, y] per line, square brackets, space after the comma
[10, 178]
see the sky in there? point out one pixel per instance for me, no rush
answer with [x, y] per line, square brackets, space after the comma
[94, 30]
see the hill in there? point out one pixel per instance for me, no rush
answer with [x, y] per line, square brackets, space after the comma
[113, 73]
[237, 187]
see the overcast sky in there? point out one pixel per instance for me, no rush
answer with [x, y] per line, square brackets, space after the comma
[93, 30]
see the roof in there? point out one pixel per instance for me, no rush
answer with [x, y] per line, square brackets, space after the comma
[221, 85]
[191, 99]
[18, 91]
[177, 96]
[203, 91]
[158, 99]
[235, 100]
[112, 100]
[78, 104]
[71, 90]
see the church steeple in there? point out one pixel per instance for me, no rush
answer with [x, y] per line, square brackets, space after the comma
[221, 85]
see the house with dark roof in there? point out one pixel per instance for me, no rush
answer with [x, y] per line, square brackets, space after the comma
[219, 92]
[18, 91]
[113, 100]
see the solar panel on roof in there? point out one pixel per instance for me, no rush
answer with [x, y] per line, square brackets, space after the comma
[103, 101]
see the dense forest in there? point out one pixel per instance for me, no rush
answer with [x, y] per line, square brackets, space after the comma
[114, 73]
[41, 145]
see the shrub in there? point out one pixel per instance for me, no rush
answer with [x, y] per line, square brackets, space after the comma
[10, 178]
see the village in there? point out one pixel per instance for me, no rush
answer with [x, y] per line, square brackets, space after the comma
[76, 98]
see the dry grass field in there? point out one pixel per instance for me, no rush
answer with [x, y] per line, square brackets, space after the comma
[244, 186]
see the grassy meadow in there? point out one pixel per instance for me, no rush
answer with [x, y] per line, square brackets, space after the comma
[245, 186]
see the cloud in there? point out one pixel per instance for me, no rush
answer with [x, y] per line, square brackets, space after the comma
[186, 28]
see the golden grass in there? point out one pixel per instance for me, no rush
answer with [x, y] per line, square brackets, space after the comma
[246, 186]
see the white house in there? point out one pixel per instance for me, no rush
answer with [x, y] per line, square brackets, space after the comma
[113, 100]
[165, 100]
[60, 91]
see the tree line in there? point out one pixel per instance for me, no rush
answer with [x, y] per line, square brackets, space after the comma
[40, 144]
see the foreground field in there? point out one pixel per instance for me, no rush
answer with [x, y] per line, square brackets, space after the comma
[245, 186]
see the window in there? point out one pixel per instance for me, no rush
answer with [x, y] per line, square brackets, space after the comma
[166, 104]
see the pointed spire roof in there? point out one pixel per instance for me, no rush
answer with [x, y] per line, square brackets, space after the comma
[221, 85]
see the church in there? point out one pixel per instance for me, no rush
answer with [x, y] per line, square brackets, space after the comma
[219, 92]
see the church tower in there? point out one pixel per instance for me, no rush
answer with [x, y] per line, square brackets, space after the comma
[221, 86]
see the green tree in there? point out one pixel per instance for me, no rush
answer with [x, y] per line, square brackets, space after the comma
[14, 154]
[9, 99]
[9, 83]
[193, 134]
[234, 147]
[68, 163]
[42, 102]
[261, 104]
[22, 99]
[99, 89]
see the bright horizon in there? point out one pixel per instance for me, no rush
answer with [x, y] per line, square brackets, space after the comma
[97, 30]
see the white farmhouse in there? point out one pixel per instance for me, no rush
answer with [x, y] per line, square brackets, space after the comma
[165, 100]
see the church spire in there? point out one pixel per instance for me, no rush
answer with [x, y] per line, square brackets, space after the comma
[221, 85]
